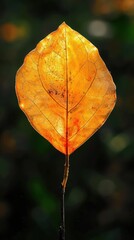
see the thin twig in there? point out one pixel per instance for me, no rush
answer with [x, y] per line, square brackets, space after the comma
[62, 227]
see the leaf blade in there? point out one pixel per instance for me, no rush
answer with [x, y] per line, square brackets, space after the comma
[65, 89]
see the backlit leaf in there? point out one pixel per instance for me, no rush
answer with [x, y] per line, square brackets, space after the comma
[65, 89]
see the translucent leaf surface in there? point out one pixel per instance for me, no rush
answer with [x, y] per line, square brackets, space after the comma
[65, 89]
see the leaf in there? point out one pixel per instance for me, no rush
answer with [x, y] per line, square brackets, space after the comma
[65, 89]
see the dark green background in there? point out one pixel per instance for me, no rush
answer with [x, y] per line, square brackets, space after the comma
[100, 191]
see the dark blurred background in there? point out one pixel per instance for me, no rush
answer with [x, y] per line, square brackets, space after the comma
[100, 191]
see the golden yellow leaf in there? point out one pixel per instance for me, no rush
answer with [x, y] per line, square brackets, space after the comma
[65, 89]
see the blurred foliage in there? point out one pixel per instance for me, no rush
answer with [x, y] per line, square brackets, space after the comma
[99, 197]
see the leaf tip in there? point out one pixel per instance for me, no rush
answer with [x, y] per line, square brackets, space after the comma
[63, 25]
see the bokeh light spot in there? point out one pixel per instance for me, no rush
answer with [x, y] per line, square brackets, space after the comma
[99, 28]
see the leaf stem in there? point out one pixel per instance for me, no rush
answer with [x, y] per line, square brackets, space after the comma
[66, 172]
[64, 182]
